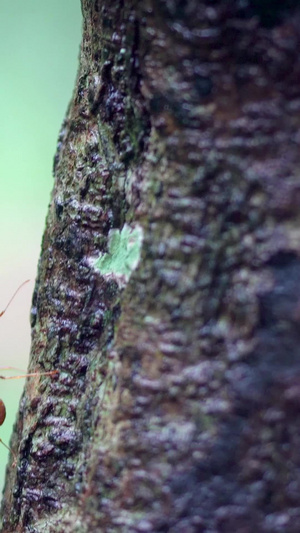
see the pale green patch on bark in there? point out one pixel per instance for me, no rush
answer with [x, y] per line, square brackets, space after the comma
[124, 250]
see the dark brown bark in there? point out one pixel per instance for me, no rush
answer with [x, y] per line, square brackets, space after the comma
[177, 403]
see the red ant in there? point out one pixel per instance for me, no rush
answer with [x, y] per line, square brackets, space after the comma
[32, 374]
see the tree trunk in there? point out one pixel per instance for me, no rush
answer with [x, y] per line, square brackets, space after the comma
[168, 292]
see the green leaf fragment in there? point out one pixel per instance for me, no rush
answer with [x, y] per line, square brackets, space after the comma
[124, 250]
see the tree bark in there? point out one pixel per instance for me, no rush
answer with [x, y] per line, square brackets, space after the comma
[168, 291]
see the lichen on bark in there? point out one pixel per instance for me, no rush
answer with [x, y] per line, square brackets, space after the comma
[176, 404]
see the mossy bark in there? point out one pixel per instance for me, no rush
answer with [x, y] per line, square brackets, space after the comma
[176, 407]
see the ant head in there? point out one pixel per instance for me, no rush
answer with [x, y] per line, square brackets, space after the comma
[2, 412]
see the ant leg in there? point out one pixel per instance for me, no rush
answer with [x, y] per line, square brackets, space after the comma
[31, 374]
[2, 312]
[11, 451]
[12, 368]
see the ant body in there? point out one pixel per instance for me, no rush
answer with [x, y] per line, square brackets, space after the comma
[33, 374]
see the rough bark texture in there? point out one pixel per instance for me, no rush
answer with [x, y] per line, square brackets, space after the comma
[177, 403]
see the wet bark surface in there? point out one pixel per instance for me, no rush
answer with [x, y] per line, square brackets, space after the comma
[168, 292]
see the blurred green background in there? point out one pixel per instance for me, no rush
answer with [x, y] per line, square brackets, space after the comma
[39, 44]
